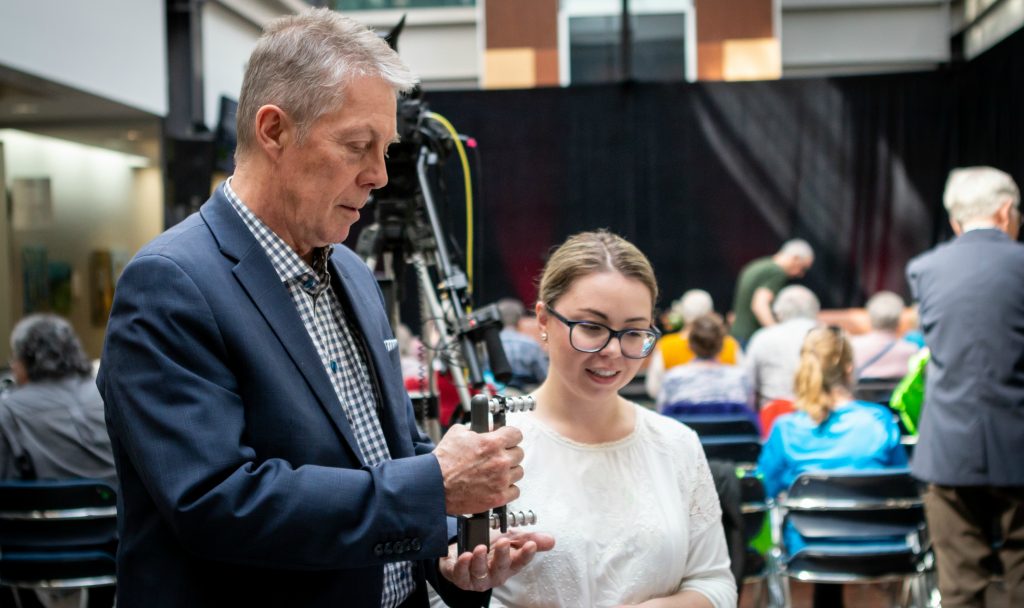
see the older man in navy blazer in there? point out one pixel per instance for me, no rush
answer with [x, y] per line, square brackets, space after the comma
[971, 293]
[266, 448]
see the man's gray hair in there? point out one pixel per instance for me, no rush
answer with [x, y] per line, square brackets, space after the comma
[48, 348]
[303, 63]
[511, 311]
[884, 310]
[797, 248]
[694, 304]
[977, 193]
[795, 302]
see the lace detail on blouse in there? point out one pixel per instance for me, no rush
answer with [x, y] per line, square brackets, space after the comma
[705, 509]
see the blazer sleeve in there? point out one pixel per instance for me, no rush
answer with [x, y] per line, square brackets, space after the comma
[173, 403]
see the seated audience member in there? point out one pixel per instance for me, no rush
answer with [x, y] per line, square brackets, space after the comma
[830, 430]
[51, 423]
[774, 351]
[525, 356]
[410, 353]
[674, 349]
[628, 491]
[882, 353]
[914, 335]
[705, 379]
[420, 375]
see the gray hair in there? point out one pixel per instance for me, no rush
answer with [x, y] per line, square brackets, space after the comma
[797, 248]
[795, 302]
[48, 348]
[974, 193]
[694, 304]
[511, 311]
[884, 310]
[303, 63]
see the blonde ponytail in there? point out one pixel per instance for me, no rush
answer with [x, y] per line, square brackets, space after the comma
[825, 363]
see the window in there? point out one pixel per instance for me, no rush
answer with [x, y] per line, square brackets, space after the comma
[660, 33]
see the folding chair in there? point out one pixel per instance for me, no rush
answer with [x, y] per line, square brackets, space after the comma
[741, 449]
[57, 534]
[859, 527]
[875, 390]
[716, 425]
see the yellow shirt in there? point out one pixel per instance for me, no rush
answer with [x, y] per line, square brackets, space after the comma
[675, 350]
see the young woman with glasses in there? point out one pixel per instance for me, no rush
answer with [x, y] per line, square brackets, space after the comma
[626, 492]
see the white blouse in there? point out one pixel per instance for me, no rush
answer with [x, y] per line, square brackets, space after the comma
[633, 519]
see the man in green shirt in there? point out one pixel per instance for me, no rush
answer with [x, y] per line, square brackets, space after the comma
[760, 280]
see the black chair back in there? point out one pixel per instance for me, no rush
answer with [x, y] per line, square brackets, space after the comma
[707, 425]
[857, 526]
[875, 390]
[57, 533]
[741, 449]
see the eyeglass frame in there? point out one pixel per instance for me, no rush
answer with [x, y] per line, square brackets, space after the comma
[612, 333]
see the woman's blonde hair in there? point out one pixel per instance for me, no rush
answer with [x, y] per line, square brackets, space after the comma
[590, 252]
[826, 362]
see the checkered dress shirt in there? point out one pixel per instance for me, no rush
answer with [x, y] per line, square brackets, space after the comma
[331, 332]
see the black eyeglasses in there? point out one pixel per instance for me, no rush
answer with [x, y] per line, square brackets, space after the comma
[592, 337]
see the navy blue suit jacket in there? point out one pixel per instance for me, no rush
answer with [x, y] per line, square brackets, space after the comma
[241, 480]
[971, 294]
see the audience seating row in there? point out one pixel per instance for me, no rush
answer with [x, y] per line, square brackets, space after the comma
[57, 534]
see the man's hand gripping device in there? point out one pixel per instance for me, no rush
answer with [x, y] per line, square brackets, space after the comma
[476, 529]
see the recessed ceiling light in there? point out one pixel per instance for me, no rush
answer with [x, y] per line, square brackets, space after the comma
[25, 108]
[131, 135]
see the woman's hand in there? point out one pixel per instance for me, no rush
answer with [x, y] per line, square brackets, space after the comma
[480, 570]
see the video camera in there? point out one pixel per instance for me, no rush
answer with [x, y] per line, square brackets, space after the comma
[407, 232]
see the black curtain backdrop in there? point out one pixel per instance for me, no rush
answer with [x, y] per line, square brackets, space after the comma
[705, 177]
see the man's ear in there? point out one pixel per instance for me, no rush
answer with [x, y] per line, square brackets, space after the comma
[1002, 217]
[274, 130]
[957, 229]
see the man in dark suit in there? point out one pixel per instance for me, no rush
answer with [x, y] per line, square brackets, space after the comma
[267, 451]
[971, 293]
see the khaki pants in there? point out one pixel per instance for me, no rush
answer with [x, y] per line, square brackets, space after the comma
[963, 523]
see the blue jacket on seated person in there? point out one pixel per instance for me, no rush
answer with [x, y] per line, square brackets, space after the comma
[856, 436]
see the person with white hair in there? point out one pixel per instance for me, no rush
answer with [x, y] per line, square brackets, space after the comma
[882, 352]
[674, 349]
[760, 280]
[971, 295]
[774, 352]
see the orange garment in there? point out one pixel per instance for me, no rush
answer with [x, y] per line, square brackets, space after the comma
[675, 350]
[771, 411]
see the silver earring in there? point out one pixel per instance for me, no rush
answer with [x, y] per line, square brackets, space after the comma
[544, 336]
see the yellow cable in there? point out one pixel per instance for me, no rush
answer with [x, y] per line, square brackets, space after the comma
[469, 191]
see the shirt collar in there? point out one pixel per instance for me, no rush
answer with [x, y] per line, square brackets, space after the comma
[290, 267]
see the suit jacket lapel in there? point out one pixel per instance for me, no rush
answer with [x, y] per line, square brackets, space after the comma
[367, 314]
[257, 276]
